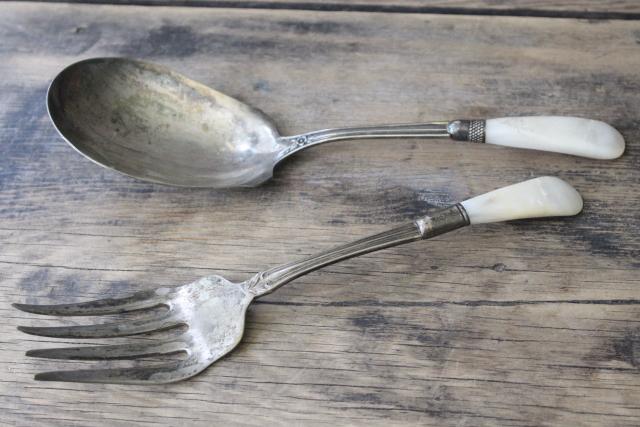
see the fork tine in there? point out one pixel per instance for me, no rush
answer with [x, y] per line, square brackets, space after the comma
[137, 301]
[106, 330]
[144, 375]
[106, 352]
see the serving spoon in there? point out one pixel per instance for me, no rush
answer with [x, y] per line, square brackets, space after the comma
[154, 124]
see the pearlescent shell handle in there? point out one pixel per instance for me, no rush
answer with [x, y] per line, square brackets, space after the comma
[535, 198]
[569, 135]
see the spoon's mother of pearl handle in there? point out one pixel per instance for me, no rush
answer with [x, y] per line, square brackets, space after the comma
[535, 198]
[569, 135]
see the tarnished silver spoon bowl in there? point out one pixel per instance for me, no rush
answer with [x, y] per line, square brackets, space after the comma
[151, 123]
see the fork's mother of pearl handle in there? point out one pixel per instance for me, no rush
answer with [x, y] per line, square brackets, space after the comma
[569, 135]
[539, 197]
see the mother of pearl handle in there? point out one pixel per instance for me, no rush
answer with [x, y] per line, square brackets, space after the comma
[535, 198]
[570, 135]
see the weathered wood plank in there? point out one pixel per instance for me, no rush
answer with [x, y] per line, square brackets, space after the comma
[498, 6]
[528, 323]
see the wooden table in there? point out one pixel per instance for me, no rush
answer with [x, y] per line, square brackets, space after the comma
[526, 323]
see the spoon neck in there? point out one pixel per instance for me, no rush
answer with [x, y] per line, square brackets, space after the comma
[430, 130]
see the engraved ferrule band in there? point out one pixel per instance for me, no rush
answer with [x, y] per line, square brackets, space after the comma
[467, 130]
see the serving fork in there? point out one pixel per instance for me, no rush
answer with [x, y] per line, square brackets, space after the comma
[213, 309]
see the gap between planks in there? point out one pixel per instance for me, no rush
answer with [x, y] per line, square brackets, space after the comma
[368, 7]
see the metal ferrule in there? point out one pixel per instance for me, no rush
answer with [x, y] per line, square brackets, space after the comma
[467, 130]
[443, 221]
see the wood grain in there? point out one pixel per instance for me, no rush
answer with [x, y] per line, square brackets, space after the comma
[595, 9]
[526, 323]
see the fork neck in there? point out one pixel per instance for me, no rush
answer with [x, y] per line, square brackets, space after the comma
[441, 221]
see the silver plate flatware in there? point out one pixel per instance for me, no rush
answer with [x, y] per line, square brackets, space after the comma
[213, 309]
[151, 123]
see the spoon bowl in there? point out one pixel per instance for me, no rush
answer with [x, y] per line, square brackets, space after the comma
[151, 123]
